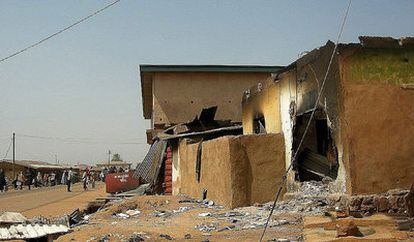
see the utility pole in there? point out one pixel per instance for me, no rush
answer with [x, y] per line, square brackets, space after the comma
[56, 160]
[14, 155]
[109, 157]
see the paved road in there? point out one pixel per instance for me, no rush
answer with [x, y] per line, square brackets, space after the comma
[49, 201]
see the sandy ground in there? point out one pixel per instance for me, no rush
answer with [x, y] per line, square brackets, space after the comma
[49, 201]
[104, 224]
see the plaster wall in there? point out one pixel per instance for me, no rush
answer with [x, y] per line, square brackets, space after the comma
[264, 103]
[235, 170]
[287, 87]
[378, 114]
[179, 96]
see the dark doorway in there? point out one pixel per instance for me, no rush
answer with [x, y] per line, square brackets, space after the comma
[317, 157]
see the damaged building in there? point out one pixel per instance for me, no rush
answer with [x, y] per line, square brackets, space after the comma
[362, 132]
[173, 97]
[360, 135]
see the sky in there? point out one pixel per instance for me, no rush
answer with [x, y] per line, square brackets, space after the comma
[80, 90]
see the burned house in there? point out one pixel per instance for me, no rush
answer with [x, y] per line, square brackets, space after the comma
[359, 136]
[362, 133]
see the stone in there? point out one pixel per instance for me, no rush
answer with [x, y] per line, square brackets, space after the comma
[187, 236]
[403, 224]
[369, 203]
[393, 200]
[383, 204]
[409, 201]
[348, 229]
[355, 203]
[136, 238]
[166, 236]
[397, 192]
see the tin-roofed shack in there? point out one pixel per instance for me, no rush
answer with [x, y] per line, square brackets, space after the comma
[23, 165]
[362, 134]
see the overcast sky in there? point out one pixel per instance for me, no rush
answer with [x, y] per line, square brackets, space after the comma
[84, 83]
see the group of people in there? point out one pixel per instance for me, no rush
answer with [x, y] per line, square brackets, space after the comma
[88, 177]
[27, 178]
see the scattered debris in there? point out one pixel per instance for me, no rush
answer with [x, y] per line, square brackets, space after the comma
[204, 214]
[122, 215]
[166, 236]
[133, 213]
[207, 227]
[16, 226]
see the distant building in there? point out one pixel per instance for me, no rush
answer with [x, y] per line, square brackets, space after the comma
[117, 164]
[23, 165]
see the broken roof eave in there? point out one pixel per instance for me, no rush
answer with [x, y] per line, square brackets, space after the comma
[192, 134]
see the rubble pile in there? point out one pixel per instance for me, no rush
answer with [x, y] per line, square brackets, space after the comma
[311, 199]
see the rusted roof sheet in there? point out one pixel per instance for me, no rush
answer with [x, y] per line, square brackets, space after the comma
[29, 231]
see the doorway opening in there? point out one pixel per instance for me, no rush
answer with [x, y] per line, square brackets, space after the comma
[317, 157]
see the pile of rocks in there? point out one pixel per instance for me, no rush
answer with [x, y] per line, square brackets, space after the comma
[393, 202]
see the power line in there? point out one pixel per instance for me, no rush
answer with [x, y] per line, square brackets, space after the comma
[60, 31]
[8, 149]
[310, 119]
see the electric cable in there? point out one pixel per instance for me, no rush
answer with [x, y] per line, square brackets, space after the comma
[310, 119]
[59, 32]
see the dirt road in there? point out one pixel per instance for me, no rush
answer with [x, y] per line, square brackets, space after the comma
[50, 201]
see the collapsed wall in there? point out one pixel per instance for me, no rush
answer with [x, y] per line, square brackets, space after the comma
[234, 170]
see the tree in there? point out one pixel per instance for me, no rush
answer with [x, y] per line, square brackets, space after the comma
[116, 157]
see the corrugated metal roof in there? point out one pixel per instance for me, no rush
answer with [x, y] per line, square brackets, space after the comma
[148, 169]
[10, 217]
[29, 231]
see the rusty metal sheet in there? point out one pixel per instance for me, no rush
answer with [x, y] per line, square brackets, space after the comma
[120, 182]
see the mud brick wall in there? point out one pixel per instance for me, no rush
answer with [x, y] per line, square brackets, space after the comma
[377, 119]
[235, 170]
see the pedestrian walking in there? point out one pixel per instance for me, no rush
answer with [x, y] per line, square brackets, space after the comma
[63, 179]
[3, 183]
[20, 180]
[93, 179]
[69, 177]
[52, 179]
[38, 180]
[29, 178]
[85, 179]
